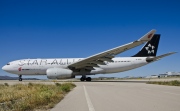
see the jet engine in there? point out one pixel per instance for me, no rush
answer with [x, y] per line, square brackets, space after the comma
[59, 73]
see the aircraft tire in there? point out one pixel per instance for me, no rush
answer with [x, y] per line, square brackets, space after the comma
[82, 79]
[88, 79]
[20, 79]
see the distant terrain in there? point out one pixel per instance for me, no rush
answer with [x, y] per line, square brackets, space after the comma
[15, 78]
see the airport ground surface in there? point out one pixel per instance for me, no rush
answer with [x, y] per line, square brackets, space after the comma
[116, 96]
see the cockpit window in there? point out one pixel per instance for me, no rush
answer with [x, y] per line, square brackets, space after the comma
[8, 63]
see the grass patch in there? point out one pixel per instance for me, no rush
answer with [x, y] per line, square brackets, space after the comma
[23, 97]
[169, 83]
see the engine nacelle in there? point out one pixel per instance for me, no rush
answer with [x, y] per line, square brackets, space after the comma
[59, 73]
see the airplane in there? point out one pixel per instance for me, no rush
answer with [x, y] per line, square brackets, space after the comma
[101, 63]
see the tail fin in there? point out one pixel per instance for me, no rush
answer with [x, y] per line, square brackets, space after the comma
[150, 48]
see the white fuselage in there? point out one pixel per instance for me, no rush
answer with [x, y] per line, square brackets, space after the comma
[39, 66]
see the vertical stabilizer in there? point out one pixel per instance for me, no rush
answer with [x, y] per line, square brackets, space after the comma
[151, 47]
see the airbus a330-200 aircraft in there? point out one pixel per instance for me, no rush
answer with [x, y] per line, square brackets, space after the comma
[101, 63]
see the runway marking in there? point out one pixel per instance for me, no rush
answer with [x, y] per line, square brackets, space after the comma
[146, 89]
[90, 105]
[172, 93]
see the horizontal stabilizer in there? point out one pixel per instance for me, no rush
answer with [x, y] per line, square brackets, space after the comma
[164, 55]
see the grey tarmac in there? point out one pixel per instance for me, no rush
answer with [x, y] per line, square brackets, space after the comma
[124, 96]
[128, 95]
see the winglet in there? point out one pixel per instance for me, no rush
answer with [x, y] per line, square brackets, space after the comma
[148, 36]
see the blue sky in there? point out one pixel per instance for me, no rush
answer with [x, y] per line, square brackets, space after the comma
[69, 28]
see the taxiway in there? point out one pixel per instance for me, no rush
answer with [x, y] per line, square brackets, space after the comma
[116, 96]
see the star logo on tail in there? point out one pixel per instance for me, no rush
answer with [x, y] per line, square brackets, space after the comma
[150, 49]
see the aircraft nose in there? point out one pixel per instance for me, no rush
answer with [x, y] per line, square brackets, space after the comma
[4, 68]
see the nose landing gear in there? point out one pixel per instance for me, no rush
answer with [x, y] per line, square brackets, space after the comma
[20, 77]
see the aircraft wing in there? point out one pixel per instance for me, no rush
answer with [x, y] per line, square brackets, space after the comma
[98, 59]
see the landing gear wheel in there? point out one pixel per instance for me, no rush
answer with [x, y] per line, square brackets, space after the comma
[88, 79]
[83, 78]
[20, 77]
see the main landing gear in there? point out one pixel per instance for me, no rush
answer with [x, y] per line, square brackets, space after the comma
[20, 77]
[83, 78]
